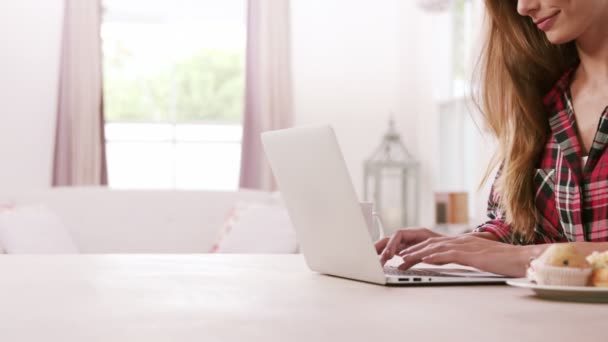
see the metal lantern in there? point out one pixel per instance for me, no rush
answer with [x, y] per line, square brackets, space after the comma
[391, 182]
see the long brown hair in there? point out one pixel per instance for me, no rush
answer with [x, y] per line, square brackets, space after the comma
[518, 66]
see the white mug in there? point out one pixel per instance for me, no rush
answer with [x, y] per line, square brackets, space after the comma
[372, 219]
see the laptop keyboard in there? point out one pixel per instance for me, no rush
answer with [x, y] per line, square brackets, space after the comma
[425, 272]
[411, 272]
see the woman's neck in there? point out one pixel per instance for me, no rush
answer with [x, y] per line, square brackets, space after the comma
[592, 49]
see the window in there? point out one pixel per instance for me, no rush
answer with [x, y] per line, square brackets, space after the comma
[174, 92]
[460, 159]
[462, 44]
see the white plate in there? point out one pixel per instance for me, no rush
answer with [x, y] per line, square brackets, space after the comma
[567, 293]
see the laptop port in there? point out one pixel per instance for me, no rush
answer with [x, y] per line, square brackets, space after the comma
[417, 279]
[404, 279]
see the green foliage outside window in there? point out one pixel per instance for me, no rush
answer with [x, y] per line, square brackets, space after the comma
[208, 86]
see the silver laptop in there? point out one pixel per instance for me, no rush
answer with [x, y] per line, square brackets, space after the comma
[323, 206]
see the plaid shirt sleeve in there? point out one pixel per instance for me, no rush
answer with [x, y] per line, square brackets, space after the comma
[496, 223]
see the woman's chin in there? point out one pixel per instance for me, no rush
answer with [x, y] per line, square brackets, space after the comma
[558, 38]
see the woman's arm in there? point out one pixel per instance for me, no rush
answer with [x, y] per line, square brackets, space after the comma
[485, 235]
[484, 254]
[480, 251]
[490, 247]
[586, 248]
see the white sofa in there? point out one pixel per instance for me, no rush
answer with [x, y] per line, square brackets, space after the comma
[101, 220]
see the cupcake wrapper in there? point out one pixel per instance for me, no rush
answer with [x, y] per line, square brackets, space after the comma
[561, 276]
[599, 277]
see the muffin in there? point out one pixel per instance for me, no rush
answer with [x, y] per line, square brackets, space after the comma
[561, 265]
[599, 263]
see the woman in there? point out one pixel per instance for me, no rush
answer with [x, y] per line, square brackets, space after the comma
[545, 88]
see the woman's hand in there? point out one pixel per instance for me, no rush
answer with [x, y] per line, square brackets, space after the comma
[479, 250]
[470, 250]
[387, 248]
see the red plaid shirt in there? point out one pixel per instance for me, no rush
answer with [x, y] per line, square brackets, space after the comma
[571, 199]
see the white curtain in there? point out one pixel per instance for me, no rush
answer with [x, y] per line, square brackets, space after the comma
[268, 104]
[79, 140]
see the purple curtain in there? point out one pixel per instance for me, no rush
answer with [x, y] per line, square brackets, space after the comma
[79, 139]
[268, 94]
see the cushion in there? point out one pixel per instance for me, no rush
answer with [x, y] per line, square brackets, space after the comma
[34, 229]
[4, 207]
[257, 227]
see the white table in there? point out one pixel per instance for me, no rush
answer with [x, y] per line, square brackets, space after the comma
[261, 298]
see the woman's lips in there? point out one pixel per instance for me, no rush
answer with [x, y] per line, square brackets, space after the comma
[546, 23]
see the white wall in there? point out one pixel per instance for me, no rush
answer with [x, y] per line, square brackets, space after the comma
[347, 71]
[356, 61]
[30, 33]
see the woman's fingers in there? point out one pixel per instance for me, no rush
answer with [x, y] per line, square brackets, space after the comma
[424, 244]
[437, 240]
[443, 245]
[475, 258]
[402, 239]
[390, 247]
[381, 244]
[411, 259]
[480, 253]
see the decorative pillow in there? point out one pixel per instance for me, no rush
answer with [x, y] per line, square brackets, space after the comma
[4, 208]
[34, 229]
[252, 228]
